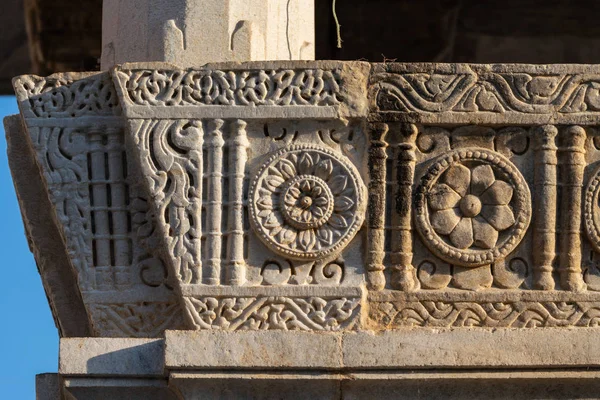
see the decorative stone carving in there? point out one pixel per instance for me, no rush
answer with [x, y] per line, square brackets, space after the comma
[243, 187]
[591, 213]
[505, 314]
[307, 87]
[145, 319]
[479, 88]
[472, 207]
[306, 202]
[279, 313]
[75, 129]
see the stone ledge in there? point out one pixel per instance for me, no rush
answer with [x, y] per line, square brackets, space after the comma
[252, 349]
[472, 348]
[111, 357]
[398, 350]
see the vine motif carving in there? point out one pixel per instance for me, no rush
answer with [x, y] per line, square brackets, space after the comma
[65, 96]
[273, 313]
[275, 272]
[307, 202]
[140, 319]
[308, 87]
[62, 160]
[475, 90]
[591, 213]
[472, 207]
[527, 314]
[171, 158]
[152, 270]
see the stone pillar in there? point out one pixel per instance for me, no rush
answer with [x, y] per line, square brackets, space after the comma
[195, 32]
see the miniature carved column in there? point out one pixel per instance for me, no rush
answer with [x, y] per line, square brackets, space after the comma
[403, 272]
[99, 202]
[214, 202]
[573, 165]
[237, 165]
[197, 153]
[544, 230]
[377, 206]
[195, 32]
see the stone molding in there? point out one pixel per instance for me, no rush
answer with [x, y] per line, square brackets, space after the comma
[337, 365]
[323, 196]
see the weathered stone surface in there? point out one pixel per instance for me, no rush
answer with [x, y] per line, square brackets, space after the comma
[472, 348]
[255, 199]
[194, 32]
[75, 132]
[117, 389]
[47, 387]
[111, 357]
[270, 365]
[225, 350]
[58, 278]
[305, 214]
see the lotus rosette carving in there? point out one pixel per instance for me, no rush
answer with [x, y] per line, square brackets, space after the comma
[473, 207]
[307, 202]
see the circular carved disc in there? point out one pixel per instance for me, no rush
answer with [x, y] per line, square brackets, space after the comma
[472, 207]
[306, 202]
[591, 213]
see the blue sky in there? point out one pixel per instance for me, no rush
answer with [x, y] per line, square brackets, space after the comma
[28, 337]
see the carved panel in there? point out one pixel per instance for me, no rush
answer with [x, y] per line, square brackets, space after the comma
[75, 130]
[306, 202]
[255, 87]
[498, 89]
[281, 313]
[472, 207]
[245, 186]
[501, 198]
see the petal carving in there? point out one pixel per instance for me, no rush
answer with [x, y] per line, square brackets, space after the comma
[444, 221]
[482, 178]
[324, 169]
[342, 203]
[443, 197]
[458, 177]
[500, 217]
[462, 236]
[307, 240]
[484, 234]
[305, 166]
[500, 193]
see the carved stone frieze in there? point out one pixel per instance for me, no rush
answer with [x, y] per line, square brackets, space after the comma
[441, 88]
[260, 87]
[142, 319]
[324, 195]
[75, 130]
[516, 314]
[273, 313]
[591, 214]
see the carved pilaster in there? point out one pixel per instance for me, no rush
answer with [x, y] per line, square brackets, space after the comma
[377, 206]
[238, 155]
[99, 206]
[403, 272]
[197, 153]
[214, 202]
[544, 229]
[573, 165]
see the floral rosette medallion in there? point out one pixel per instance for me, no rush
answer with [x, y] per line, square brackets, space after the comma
[307, 202]
[591, 214]
[473, 207]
